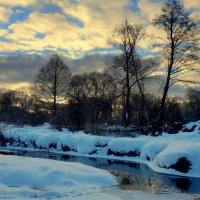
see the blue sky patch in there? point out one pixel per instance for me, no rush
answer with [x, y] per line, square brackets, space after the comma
[40, 35]
[145, 52]
[134, 6]
[75, 21]
[51, 8]
[19, 14]
[5, 39]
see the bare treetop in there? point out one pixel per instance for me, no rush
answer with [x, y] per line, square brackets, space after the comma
[52, 80]
[179, 46]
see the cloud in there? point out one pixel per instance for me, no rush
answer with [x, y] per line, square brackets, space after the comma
[19, 68]
[62, 30]
[18, 72]
[90, 63]
[100, 18]
[15, 86]
[149, 9]
[23, 3]
[3, 32]
[194, 4]
[5, 14]
[75, 26]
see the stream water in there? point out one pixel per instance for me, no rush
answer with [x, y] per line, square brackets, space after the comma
[131, 176]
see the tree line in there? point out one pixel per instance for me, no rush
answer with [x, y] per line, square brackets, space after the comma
[119, 94]
[91, 104]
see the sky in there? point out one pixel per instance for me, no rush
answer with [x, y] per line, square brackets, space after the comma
[31, 30]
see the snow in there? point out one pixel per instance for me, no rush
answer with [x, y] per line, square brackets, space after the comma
[32, 178]
[33, 171]
[192, 125]
[138, 195]
[122, 128]
[159, 153]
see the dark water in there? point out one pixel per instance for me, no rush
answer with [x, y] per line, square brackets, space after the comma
[139, 175]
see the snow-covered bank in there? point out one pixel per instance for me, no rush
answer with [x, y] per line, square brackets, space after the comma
[171, 154]
[23, 178]
[32, 178]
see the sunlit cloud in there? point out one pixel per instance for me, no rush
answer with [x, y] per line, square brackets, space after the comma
[79, 26]
[5, 13]
[13, 3]
[149, 9]
[74, 26]
[194, 4]
[16, 86]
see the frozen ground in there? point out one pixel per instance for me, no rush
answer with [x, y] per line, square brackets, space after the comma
[165, 154]
[32, 178]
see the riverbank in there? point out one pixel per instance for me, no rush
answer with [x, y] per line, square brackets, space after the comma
[169, 154]
[30, 178]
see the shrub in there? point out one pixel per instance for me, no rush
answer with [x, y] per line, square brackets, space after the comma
[2, 139]
[129, 154]
[182, 165]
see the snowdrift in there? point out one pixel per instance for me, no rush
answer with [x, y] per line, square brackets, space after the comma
[171, 154]
[32, 178]
[24, 178]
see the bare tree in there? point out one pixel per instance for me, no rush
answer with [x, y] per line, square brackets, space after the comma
[91, 96]
[193, 111]
[99, 85]
[51, 82]
[142, 71]
[23, 100]
[179, 46]
[133, 71]
[125, 38]
[77, 87]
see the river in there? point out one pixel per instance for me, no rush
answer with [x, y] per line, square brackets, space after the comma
[131, 175]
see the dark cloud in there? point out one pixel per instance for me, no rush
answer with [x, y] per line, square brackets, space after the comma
[89, 63]
[156, 86]
[19, 68]
[16, 69]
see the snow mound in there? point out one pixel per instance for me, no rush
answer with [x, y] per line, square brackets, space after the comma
[191, 126]
[42, 173]
[50, 177]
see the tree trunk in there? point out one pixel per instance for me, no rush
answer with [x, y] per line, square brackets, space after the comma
[142, 107]
[161, 117]
[127, 105]
[143, 104]
[54, 107]
[55, 95]
[167, 85]
[162, 113]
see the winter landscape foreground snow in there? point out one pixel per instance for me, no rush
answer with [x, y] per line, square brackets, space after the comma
[32, 178]
[23, 178]
[171, 154]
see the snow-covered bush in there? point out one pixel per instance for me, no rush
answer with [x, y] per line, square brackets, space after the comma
[190, 127]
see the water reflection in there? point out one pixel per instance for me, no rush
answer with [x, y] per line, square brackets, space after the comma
[182, 183]
[129, 173]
